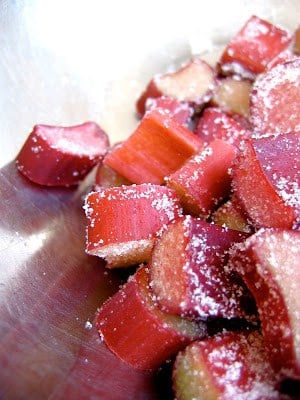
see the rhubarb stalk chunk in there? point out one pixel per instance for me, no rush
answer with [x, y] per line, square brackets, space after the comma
[268, 261]
[62, 156]
[193, 83]
[204, 180]
[158, 146]
[266, 180]
[228, 366]
[256, 44]
[137, 331]
[123, 221]
[188, 274]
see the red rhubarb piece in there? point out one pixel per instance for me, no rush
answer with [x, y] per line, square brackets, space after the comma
[61, 156]
[137, 331]
[266, 180]
[180, 110]
[255, 45]
[188, 274]
[275, 100]
[204, 179]
[268, 261]
[193, 83]
[123, 221]
[218, 124]
[232, 365]
[158, 146]
[233, 95]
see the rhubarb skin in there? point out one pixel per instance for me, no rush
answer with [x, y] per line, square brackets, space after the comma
[266, 180]
[157, 147]
[230, 365]
[137, 331]
[268, 261]
[193, 83]
[62, 156]
[122, 222]
[215, 123]
[189, 275]
[255, 45]
[204, 180]
[274, 100]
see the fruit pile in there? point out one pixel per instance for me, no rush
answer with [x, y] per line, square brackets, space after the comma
[202, 202]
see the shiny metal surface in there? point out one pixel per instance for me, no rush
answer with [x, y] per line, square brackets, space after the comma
[65, 62]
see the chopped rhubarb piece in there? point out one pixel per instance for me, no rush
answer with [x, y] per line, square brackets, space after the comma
[188, 274]
[61, 156]
[268, 261]
[256, 44]
[231, 215]
[230, 365]
[274, 100]
[266, 180]
[180, 110]
[218, 124]
[158, 146]
[123, 221]
[204, 180]
[106, 178]
[193, 83]
[233, 95]
[137, 331]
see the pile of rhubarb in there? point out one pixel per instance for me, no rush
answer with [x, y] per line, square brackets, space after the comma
[201, 205]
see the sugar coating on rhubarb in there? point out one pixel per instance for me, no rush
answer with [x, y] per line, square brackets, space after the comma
[274, 99]
[226, 366]
[123, 221]
[268, 262]
[188, 275]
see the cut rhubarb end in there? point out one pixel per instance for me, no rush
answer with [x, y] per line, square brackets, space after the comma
[123, 221]
[231, 215]
[231, 365]
[193, 83]
[274, 100]
[188, 274]
[255, 45]
[263, 183]
[158, 146]
[107, 178]
[268, 262]
[215, 123]
[204, 180]
[137, 331]
[180, 110]
[233, 95]
[61, 156]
